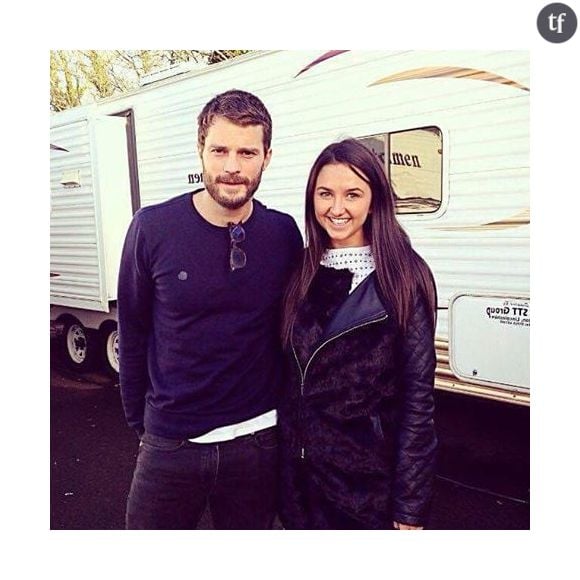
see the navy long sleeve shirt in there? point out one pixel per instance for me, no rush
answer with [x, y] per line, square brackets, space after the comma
[199, 344]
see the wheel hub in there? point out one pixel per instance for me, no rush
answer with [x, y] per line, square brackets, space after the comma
[77, 344]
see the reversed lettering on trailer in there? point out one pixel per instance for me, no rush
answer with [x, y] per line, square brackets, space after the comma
[489, 339]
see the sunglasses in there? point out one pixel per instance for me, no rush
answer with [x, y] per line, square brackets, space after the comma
[237, 255]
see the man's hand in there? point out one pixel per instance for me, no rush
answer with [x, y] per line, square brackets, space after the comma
[399, 526]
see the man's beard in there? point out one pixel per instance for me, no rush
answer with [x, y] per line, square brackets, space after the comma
[229, 201]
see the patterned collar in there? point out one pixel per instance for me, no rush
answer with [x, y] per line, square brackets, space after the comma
[358, 261]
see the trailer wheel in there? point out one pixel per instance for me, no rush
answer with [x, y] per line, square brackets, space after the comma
[77, 346]
[110, 349]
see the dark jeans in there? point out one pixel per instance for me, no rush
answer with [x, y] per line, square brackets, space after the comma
[174, 480]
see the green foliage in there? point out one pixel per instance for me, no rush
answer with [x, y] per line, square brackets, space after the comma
[84, 76]
[66, 85]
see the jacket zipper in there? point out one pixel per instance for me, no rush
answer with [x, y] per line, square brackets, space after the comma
[303, 375]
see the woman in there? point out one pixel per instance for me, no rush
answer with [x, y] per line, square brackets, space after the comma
[356, 417]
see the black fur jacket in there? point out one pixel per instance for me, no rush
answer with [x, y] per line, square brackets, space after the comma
[356, 418]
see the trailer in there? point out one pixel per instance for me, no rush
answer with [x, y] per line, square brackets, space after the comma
[452, 128]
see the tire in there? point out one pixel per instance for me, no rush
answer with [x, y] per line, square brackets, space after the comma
[109, 349]
[77, 346]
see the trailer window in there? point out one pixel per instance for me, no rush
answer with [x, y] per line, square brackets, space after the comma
[413, 162]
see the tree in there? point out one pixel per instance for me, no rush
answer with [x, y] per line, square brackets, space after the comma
[66, 84]
[83, 76]
[96, 67]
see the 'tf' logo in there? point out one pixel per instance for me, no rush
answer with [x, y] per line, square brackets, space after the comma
[557, 22]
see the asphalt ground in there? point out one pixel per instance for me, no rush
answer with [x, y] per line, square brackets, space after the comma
[482, 482]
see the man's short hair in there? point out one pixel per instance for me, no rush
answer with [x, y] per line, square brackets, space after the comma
[239, 107]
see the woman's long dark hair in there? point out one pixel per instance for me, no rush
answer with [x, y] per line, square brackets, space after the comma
[400, 271]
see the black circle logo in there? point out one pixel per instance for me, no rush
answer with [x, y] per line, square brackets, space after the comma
[557, 22]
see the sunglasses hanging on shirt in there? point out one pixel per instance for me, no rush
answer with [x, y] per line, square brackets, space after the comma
[237, 255]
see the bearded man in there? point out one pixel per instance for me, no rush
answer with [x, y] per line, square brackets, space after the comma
[200, 285]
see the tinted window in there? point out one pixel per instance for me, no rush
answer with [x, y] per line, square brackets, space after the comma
[413, 162]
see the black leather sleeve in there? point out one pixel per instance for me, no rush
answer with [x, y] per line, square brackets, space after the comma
[416, 437]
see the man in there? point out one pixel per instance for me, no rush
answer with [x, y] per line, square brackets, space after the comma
[201, 280]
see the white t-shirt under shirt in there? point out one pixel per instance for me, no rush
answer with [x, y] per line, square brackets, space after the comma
[358, 261]
[229, 432]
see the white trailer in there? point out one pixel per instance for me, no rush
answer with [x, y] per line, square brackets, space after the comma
[452, 128]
